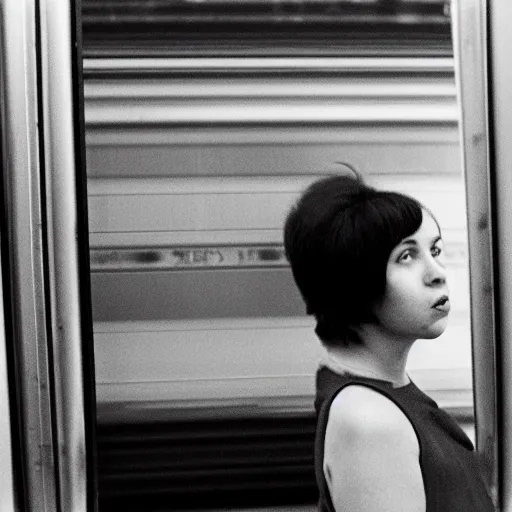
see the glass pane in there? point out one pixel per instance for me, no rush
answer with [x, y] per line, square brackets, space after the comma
[205, 359]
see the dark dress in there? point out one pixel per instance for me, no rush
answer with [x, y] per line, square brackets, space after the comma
[448, 462]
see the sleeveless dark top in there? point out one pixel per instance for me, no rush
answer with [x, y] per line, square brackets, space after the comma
[448, 462]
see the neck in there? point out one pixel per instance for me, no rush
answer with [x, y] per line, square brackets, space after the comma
[377, 358]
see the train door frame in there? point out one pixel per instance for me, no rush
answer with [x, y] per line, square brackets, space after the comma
[469, 39]
[46, 251]
[483, 35]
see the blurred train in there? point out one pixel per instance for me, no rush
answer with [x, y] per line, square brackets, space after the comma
[189, 181]
[189, 349]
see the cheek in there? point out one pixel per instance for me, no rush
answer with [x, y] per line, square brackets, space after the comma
[403, 298]
[404, 284]
[397, 292]
[399, 304]
[394, 311]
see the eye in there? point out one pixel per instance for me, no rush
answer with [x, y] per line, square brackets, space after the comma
[405, 256]
[436, 251]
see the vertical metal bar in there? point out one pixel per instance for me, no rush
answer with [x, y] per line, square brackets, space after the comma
[60, 159]
[469, 35]
[500, 101]
[87, 333]
[7, 501]
[25, 233]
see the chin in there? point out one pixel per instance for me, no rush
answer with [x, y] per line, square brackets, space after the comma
[432, 335]
[435, 330]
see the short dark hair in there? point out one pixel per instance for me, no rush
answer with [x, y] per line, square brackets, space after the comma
[338, 238]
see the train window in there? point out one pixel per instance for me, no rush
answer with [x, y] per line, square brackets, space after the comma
[204, 121]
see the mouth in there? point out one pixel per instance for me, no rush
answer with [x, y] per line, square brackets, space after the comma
[442, 304]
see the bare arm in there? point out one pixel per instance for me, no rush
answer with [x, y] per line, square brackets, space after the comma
[371, 459]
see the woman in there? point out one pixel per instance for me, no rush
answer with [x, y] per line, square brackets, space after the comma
[370, 267]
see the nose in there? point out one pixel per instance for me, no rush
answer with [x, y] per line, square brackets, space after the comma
[435, 272]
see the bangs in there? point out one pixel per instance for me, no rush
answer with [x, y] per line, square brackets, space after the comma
[385, 220]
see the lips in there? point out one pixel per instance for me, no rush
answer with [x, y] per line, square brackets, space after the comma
[442, 304]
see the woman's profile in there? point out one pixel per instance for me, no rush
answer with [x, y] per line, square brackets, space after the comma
[370, 267]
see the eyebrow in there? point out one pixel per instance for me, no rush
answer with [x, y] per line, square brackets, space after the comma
[412, 241]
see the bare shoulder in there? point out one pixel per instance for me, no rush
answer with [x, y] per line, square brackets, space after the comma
[371, 456]
[360, 410]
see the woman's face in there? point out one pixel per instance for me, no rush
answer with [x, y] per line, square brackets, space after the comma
[416, 300]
